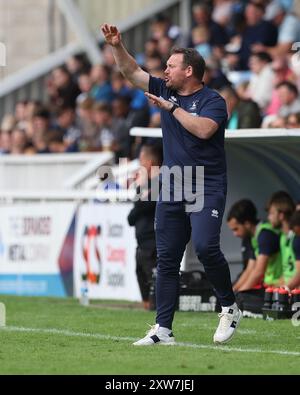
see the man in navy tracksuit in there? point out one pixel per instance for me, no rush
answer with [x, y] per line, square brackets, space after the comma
[193, 124]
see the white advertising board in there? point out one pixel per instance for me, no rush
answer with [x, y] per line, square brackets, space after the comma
[36, 249]
[105, 248]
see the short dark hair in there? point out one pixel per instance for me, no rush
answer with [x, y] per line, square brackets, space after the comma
[263, 56]
[42, 112]
[283, 202]
[191, 57]
[243, 211]
[289, 85]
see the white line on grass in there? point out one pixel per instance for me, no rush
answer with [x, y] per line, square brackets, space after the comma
[53, 331]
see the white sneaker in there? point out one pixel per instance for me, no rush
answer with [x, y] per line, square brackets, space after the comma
[157, 335]
[229, 322]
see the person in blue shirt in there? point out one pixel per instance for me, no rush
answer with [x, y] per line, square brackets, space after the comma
[193, 124]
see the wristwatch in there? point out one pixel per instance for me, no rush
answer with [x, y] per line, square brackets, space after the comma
[175, 106]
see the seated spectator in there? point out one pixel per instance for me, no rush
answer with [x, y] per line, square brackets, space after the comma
[282, 72]
[293, 121]
[289, 98]
[41, 120]
[108, 57]
[164, 47]
[274, 122]
[150, 48]
[5, 142]
[288, 30]
[113, 133]
[119, 86]
[62, 90]
[21, 113]
[18, 142]
[102, 90]
[202, 17]
[8, 123]
[66, 123]
[76, 65]
[243, 114]
[153, 63]
[241, 218]
[55, 142]
[214, 78]
[85, 86]
[161, 26]
[40, 143]
[200, 38]
[222, 12]
[261, 81]
[281, 210]
[86, 124]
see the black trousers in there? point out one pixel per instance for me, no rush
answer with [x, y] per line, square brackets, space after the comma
[174, 228]
[145, 263]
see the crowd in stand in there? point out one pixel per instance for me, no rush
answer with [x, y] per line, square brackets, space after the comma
[250, 51]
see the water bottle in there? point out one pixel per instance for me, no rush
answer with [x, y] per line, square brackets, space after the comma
[84, 300]
[275, 299]
[268, 298]
[283, 299]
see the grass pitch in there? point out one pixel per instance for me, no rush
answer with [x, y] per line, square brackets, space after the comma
[60, 337]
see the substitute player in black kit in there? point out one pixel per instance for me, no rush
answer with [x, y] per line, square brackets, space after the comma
[193, 125]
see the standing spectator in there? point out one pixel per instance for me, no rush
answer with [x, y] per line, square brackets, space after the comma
[102, 90]
[142, 217]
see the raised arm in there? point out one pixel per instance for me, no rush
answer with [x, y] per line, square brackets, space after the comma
[125, 62]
